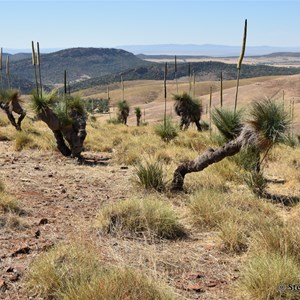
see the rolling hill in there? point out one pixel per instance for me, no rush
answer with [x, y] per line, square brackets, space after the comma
[80, 63]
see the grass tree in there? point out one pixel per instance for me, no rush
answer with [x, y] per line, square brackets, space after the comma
[68, 127]
[188, 109]
[138, 114]
[10, 102]
[123, 111]
[269, 125]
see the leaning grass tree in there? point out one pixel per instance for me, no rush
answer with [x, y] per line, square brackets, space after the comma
[268, 125]
[123, 111]
[188, 109]
[229, 125]
[68, 128]
[138, 114]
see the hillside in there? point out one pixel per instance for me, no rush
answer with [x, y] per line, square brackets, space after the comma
[80, 63]
[203, 71]
[149, 95]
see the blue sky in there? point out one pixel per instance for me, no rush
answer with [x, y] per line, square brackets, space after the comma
[103, 23]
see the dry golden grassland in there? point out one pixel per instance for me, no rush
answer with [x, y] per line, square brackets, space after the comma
[217, 240]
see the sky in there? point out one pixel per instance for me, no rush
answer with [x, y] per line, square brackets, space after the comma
[104, 23]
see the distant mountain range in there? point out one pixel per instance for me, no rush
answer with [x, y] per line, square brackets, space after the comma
[204, 50]
[183, 49]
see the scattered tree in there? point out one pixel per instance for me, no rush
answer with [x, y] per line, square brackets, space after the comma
[123, 111]
[67, 123]
[189, 110]
[138, 114]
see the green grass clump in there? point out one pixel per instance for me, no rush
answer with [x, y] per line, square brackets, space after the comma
[147, 217]
[73, 272]
[151, 176]
[166, 130]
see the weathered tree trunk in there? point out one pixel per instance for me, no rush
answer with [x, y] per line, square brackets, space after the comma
[203, 161]
[74, 133]
[14, 106]
[60, 142]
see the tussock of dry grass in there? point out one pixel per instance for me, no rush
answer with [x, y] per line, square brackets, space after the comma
[9, 210]
[148, 216]
[236, 218]
[75, 272]
[3, 120]
[8, 203]
[265, 272]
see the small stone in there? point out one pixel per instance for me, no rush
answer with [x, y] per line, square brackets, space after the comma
[24, 250]
[37, 234]
[43, 221]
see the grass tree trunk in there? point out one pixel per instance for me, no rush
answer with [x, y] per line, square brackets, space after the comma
[203, 161]
[50, 118]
